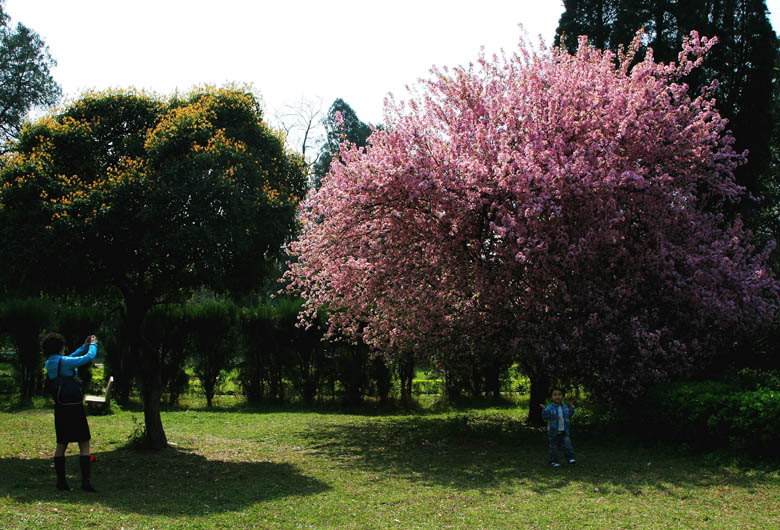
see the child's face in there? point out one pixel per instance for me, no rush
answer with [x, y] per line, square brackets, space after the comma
[557, 397]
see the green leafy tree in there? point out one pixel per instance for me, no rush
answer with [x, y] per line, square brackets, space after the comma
[150, 199]
[24, 321]
[212, 326]
[743, 61]
[166, 328]
[341, 124]
[25, 75]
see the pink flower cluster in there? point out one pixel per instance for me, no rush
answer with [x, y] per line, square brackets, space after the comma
[558, 209]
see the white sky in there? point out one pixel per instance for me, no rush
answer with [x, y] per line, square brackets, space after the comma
[289, 49]
[358, 50]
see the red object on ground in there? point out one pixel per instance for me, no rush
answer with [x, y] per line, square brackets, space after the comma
[92, 458]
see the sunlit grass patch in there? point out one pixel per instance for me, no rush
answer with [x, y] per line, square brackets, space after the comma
[236, 466]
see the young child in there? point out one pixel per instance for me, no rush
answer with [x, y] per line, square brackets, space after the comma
[558, 417]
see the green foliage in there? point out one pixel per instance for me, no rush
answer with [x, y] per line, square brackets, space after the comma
[166, 329]
[276, 349]
[25, 75]
[211, 333]
[24, 321]
[709, 415]
[148, 199]
[352, 371]
[7, 383]
[753, 379]
[163, 196]
[427, 386]
[119, 363]
[264, 363]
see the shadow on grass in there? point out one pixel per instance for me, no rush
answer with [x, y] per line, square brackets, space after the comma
[489, 452]
[170, 482]
[369, 407]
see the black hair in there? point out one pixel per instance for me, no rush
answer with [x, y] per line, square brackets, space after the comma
[559, 389]
[52, 344]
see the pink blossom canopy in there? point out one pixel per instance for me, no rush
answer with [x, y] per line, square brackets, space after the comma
[557, 209]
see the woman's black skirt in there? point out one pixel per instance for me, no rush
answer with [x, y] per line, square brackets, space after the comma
[70, 422]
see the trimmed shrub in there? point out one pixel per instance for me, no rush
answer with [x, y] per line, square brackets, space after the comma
[427, 386]
[211, 334]
[166, 328]
[709, 415]
[24, 321]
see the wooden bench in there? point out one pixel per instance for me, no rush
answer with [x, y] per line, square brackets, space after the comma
[100, 404]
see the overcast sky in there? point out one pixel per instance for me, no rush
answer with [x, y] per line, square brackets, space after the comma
[358, 50]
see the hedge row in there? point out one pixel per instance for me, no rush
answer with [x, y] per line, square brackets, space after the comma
[710, 414]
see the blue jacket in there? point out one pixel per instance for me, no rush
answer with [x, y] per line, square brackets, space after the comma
[70, 363]
[550, 415]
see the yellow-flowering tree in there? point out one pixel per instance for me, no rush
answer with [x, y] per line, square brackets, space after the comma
[150, 198]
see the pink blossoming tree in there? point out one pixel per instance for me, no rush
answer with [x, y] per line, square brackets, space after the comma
[551, 209]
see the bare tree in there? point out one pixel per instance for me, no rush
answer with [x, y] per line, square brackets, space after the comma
[302, 124]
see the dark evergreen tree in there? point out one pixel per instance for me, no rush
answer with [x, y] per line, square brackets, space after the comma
[25, 75]
[349, 128]
[607, 23]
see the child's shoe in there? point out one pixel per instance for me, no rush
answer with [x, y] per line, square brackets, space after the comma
[555, 464]
[572, 461]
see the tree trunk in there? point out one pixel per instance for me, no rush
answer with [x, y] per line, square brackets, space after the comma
[152, 394]
[493, 380]
[149, 370]
[406, 376]
[540, 386]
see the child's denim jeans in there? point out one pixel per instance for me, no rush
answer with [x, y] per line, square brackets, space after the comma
[559, 441]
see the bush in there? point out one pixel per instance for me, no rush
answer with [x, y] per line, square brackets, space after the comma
[24, 321]
[752, 379]
[166, 328]
[710, 415]
[427, 386]
[119, 363]
[211, 333]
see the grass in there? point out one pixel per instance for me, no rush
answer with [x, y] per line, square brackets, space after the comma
[290, 467]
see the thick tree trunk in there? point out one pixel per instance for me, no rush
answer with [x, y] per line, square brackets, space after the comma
[540, 386]
[149, 370]
[406, 376]
[152, 395]
[493, 380]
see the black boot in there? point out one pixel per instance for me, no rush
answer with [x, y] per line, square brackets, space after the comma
[59, 467]
[85, 473]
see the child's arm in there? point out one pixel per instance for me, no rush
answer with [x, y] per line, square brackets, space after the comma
[548, 413]
[571, 408]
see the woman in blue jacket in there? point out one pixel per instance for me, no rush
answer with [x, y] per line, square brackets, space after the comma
[70, 419]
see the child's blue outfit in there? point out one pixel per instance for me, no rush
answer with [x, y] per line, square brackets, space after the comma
[558, 420]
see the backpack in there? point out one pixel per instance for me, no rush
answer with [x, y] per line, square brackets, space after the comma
[67, 388]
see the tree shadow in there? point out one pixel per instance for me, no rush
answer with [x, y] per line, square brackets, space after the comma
[173, 481]
[483, 452]
[369, 407]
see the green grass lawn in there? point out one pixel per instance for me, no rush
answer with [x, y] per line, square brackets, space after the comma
[236, 467]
